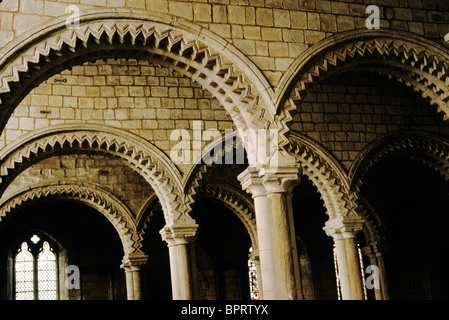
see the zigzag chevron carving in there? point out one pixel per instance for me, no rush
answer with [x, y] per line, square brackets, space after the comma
[430, 150]
[111, 208]
[324, 173]
[237, 202]
[158, 43]
[138, 158]
[415, 65]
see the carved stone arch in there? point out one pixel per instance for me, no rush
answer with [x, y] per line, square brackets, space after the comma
[151, 163]
[424, 147]
[151, 207]
[198, 171]
[94, 196]
[325, 173]
[237, 202]
[414, 60]
[374, 230]
[162, 39]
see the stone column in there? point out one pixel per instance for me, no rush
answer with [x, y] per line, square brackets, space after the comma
[376, 258]
[132, 265]
[297, 267]
[269, 188]
[178, 239]
[373, 261]
[344, 230]
[382, 273]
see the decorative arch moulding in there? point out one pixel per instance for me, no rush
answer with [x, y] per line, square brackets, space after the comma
[111, 207]
[150, 162]
[416, 61]
[194, 51]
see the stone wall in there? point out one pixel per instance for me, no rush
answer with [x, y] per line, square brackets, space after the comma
[272, 33]
[111, 174]
[147, 100]
[346, 112]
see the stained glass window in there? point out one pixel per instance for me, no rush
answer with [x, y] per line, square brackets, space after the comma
[46, 273]
[24, 274]
[35, 270]
[253, 285]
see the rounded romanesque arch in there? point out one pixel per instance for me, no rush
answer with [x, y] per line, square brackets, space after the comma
[226, 192]
[146, 159]
[424, 147]
[416, 61]
[325, 173]
[159, 38]
[92, 195]
[235, 201]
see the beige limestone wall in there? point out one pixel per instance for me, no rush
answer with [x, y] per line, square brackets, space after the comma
[147, 100]
[272, 33]
[346, 112]
[114, 175]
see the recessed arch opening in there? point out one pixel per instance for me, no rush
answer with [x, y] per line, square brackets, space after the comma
[94, 247]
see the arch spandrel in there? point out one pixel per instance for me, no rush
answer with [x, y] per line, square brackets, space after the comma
[151, 163]
[414, 60]
[220, 68]
[92, 195]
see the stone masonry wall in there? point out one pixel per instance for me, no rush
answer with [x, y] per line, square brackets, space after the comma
[272, 33]
[144, 99]
[112, 174]
[346, 112]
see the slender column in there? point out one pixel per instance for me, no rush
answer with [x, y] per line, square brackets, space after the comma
[382, 275]
[373, 261]
[297, 267]
[343, 230]
[342, 263]
[264, 234]
[132, 265]
[355, 274]
[178, 240]
[269, 189]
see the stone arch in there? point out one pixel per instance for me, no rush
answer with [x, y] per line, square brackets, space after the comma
[230, 196]
[424, 147]
[92, 195]
[162, 39]
[325, 173]
[236, 202]
[140, 155]
[374, 230]
[416, 61]
[199, 170]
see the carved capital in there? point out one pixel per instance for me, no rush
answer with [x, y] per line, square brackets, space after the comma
[265, 179]
[345, 227]
[179, 234]
[251, 182]
[134, 261]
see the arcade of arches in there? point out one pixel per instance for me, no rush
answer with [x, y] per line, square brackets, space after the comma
[354, 207]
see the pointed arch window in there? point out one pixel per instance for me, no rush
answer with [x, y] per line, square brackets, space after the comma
[35, 270]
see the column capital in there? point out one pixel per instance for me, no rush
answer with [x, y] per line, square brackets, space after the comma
[251, 182]
[178, 234]
[265, 179]
[134, 261]
[345, 227]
